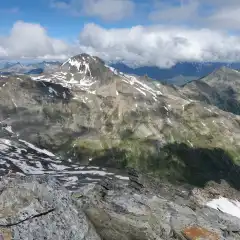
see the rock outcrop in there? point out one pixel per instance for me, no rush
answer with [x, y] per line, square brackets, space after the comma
[39, 208]
[160, 212]
[221, 88]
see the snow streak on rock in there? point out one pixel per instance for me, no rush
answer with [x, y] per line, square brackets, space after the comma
[21, 157]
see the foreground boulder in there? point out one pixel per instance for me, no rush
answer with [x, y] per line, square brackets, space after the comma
[38, 208]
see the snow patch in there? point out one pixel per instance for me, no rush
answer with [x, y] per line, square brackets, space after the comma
[58, 167]
[141, 91]
[169, 121]
[92, 179]
[226, 205]
[140, 86]
[190, 143]
[5, 144]
[112, 69]
[122, 177]
[70, 181]
[86, 82]
[26, 168]
[51, 90]
[93, 167]
[14, 103]
[85, 172]
[37, 149]
[9, 129]
[78, 64]
[209, 110]
[166, 108]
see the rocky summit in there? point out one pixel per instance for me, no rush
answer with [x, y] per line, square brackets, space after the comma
[221, 88]
[85, 125]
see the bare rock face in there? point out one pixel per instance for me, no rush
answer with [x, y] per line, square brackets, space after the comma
[220, 88]
[38, 208]
[125, 213]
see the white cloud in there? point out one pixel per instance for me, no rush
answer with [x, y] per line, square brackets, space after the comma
[159, 45]
[31, 41]
[105, 9]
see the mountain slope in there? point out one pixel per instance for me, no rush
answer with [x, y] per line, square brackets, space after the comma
[97, 115]
[23, 158]
[226, 80]
[220, 88]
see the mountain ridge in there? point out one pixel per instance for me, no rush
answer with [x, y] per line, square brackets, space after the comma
[220, 88]
[178, 74]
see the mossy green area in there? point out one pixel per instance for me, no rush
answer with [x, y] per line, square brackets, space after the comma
[173, 161]
[195, 147]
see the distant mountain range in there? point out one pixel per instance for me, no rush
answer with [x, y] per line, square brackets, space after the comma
[28, 68]
[178, 75]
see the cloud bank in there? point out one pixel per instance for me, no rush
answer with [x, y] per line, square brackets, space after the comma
[161, 46]
[158, 45]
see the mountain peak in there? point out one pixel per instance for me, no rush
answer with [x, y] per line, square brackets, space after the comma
[225, 69]
[83, 64]
[87, 57]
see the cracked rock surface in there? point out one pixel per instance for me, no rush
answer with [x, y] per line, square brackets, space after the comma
[38, 208]
[123, 212]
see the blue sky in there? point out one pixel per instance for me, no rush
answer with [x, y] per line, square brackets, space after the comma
[154, 32]
[62, 22]
[59, 22]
